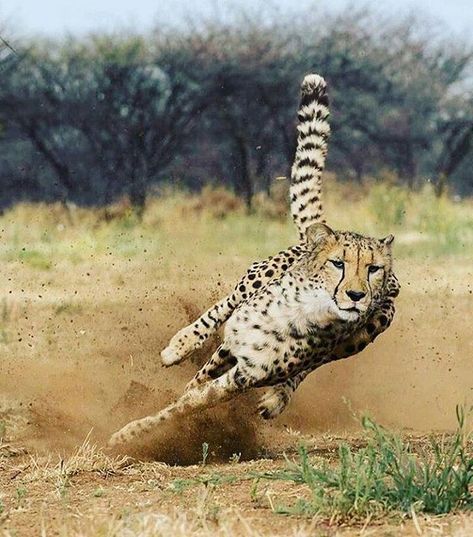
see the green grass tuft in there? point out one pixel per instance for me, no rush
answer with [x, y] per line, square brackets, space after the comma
[35, 259]
[385, 476]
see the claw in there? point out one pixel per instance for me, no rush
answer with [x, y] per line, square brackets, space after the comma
[272, 404]
[264, 413]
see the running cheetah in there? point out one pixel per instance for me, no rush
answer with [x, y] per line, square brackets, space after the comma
[321, 300]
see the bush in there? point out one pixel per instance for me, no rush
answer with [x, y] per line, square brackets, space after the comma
[388, 204]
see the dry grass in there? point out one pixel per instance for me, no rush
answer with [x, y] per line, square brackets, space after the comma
[86, 458]
[89, 300]
[140, 500]
[190, 524]
[44, 237]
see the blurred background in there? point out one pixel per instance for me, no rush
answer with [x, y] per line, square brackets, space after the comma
[100, 100]
[145, 151]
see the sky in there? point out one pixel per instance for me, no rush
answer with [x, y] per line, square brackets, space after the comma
[56, 18]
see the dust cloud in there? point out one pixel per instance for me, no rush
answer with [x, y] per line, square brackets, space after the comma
[107, 372]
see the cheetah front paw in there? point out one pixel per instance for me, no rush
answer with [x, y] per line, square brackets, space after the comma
[180, 346]
[171, 356]
[273, 403]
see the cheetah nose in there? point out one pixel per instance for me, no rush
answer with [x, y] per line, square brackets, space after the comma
[355, 295]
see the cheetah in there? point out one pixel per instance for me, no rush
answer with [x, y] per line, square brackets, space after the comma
[321, 300]
[306, 208]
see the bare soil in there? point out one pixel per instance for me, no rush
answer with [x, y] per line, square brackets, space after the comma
[86, 366]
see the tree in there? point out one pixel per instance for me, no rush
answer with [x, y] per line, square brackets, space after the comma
[139, 112]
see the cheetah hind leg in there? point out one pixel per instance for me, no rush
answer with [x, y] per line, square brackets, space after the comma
[220, 362]
[205, 396]
[276, 399]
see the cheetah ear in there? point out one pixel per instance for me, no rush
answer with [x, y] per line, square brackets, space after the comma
[387, 241]
[319, 234]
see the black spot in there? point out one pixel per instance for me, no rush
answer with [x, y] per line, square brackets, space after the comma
[223, 353]
[370, 327]
[269, 273]
[383, 320]
[242, 288]
[239, 379]
[278, 336]
[257, 284]
[251, 276]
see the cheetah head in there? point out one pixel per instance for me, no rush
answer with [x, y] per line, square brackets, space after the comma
[350, 267]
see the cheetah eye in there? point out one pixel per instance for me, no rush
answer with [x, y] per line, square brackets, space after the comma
[373, 268]
[337, 263]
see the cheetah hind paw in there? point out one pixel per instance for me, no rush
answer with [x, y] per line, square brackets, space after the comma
[272, 404]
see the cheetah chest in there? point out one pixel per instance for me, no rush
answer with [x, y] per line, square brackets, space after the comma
[286, 328]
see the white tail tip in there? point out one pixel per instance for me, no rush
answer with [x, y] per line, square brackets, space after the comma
[312, 82]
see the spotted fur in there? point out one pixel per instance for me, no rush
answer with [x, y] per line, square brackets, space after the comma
[310, 315]
[216, 380]
[306, 208]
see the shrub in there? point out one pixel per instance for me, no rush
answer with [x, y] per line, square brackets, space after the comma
[388, 204]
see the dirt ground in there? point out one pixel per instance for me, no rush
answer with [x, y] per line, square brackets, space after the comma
[90, 494]
[82, 366]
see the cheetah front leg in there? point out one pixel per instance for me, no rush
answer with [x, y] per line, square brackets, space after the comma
[258, 275]
[276, 399]
[375, 325]
[193, 336]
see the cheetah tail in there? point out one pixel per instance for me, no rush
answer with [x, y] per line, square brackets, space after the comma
[313, 133]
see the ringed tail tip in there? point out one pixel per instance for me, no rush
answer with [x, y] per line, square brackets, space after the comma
[313, 83]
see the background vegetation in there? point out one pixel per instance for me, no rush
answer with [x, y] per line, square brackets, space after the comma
[128, 165]
[91, 119]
